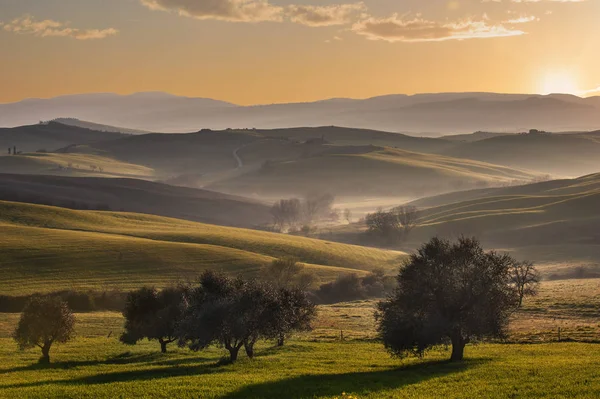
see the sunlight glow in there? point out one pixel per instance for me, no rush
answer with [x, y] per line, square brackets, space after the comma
[559, 82]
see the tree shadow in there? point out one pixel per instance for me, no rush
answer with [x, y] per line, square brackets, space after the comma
[129, 376]
[359, 383]
[123, 358]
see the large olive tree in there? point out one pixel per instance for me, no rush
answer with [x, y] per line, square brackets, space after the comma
[448, 292]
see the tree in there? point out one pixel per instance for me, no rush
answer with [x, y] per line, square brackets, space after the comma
[447, 291]
[228, 312]
[317, 206]
[44, 321]
[153, 315]
[348, 215]
[407, 217]
[383, 225]
[292, 311]
[286, 213]
[287, 273]
[526, 279]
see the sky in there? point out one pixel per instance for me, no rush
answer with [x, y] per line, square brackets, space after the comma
[274, 51]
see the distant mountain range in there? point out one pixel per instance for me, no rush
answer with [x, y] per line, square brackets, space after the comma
[423, 114]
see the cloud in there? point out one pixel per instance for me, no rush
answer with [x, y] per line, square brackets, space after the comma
[521, 20]
[223, 10]
[339, 14]
[399, 29]
[28, 25]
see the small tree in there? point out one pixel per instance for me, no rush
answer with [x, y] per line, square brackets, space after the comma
[44, 321]
[153, 315]
[291, 311]
[287, 273]
[317, 206]
[447, 291]
[286, 213]
[407, 217]
[348, 215]
[526, 279]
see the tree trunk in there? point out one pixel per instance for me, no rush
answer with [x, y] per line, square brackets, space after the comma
[233, 352]
[281, 339]
[163, 346]
[249, 347]
[46, 353]
[458, 347]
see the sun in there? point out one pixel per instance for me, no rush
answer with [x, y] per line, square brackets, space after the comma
[559, 82]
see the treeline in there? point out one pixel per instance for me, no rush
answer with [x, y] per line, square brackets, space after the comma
[78, 301]
[391, 227]
[284, 273]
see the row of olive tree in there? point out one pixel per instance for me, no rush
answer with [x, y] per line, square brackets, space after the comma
[232, 313]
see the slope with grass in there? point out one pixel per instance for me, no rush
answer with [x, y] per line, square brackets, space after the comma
[72, 164]
[556, 222]
[133, 195]
[370, 171]
[46, 248]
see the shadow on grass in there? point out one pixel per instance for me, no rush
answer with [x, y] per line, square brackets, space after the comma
[359, 383]
[123, 358]
[129, 376]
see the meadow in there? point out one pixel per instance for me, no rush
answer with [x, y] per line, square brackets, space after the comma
[319, 364]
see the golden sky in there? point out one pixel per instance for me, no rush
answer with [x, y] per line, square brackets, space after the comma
[266, 51]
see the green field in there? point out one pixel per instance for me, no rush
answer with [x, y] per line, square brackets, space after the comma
[312, 365]
[46, 248]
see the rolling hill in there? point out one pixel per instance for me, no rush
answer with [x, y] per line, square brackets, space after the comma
[565, 155]
[369, 171]
[434, 114]
[556, 223]
[134, 195]
[50, 137]
[46, 248]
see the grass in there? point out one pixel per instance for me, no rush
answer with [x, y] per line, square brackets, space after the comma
[101, 367]
[45, 248]
[72, 164]
[318, 364]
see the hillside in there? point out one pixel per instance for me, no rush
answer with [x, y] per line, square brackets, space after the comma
[432, 114]
[556, 222]
[71, 164]
[369, 171]
[88, 249]
[50, 137]
[565, 155]
[133, 195]
[98, 126]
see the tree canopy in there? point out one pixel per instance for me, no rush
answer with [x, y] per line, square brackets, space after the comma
[44, 321]
[153, 314]
[448, 292]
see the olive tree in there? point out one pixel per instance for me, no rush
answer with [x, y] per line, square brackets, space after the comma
[44, 321]
[448, 292]
[153, 315]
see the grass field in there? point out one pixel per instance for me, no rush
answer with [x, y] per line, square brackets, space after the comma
[71, 164]
[311, 365]
[46, 248]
